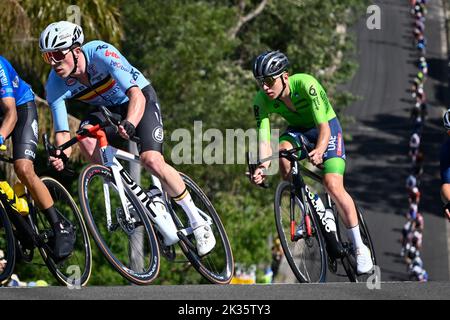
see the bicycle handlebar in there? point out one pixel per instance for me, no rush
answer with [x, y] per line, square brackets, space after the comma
[113, 120]
[290, 155]
[252, 168]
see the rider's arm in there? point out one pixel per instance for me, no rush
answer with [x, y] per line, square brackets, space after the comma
[324, 137]
[320, 106]
[8, 107]
[128, 78]
[56, 95]
[136, 106]
[263, 126]
[265, 151]
[7, 102]
[62, 137]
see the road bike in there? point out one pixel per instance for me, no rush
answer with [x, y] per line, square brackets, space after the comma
[132, 225]
[21, 234]
[312, 234]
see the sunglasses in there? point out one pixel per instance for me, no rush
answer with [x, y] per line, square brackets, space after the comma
[268, 81]
[56, 56]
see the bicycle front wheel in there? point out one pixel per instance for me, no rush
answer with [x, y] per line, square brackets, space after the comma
[7, 247]
[74, 270]
[129, 245]
[306, 255]
[218, 265]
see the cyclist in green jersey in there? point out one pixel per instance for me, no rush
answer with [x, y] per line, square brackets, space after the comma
[303, 103]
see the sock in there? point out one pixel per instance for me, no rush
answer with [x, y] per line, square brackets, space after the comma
[51, 214]
[185, 201]
[355, 236]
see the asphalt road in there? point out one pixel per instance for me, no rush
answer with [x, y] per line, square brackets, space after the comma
[377, 156]
[276, 292]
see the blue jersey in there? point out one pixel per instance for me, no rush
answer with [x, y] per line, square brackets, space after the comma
[110, 76]
[11, 86]
[445, 161]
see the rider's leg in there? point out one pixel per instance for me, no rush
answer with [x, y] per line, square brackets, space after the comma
[89, 148]
[24, 169]
[334, 184]
[285, 164]
[172, 183]
[25, 141]
[64, 237]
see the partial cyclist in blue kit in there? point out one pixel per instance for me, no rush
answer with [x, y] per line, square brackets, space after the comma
[445, 166]
[96, 73]
[19, 120]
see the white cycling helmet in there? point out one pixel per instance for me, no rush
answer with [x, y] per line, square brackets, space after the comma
[446, 119]
[60, 35]
[414, 141]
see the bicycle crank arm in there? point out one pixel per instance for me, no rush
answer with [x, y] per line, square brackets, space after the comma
[186, 241]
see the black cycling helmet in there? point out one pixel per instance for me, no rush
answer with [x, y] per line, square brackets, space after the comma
[270, 64]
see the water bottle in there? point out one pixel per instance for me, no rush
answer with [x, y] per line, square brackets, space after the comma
[21, 201]
[161, 217]
[18, 204]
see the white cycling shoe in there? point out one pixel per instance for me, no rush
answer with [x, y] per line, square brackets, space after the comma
[205, 239]
[363, 260]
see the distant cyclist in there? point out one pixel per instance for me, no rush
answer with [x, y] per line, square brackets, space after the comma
[445, 166]
[19, 120]
[98, 74]
[303, 103]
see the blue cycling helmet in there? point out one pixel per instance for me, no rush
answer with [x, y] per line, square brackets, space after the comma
[270, 64]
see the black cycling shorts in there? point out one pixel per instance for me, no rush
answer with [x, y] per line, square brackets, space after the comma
[25, 136]
[149, 130]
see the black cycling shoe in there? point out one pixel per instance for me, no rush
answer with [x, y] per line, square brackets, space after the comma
[63, 240]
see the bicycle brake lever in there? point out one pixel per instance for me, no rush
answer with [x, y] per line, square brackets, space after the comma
[51, 149]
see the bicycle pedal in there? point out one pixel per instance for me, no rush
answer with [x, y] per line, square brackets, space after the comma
[297, 237]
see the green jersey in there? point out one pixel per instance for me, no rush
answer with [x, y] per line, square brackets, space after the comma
[310, 102]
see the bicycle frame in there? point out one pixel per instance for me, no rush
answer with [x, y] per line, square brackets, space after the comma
[313, 203]
[109, 156]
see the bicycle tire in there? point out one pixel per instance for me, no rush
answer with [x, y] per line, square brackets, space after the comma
[217, 266]
[75, 270]
[294, 251]
[117, 250]
[7, 246]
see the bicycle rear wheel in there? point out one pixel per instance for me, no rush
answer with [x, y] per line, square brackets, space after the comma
[7, 247]
[218, 265]
[306, 256]
[74, 270]
[129, 246]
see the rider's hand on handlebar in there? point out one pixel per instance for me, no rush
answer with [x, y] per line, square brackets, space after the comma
[57, 162]
[316, 157]
[127, 130]
[259, 176]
